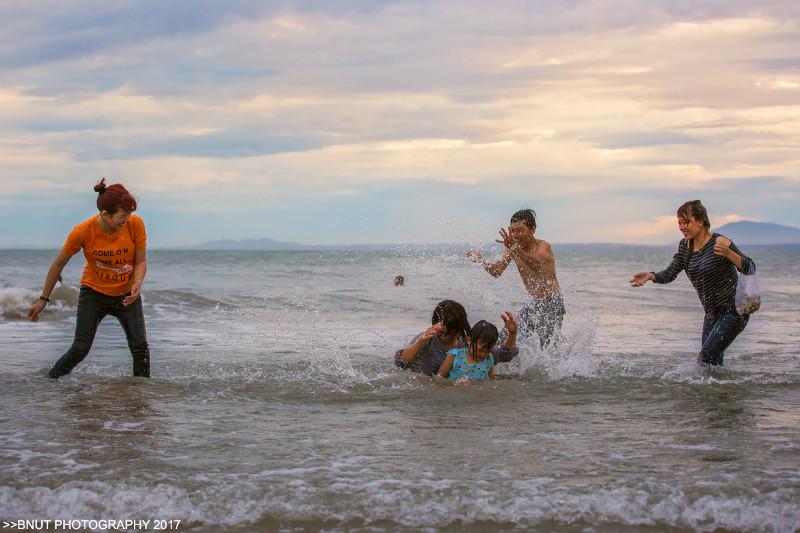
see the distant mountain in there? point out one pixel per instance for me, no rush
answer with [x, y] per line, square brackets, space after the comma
[747, 232]
[273, 245]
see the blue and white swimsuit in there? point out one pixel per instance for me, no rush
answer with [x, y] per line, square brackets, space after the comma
[462, 369]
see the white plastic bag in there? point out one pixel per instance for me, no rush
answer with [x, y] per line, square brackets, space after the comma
[748, 297]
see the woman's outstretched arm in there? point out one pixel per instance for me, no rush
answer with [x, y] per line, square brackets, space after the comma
[679, 261]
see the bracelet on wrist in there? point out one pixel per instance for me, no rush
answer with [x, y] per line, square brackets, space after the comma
[44, 299]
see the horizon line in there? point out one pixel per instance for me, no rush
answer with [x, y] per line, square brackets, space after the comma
[337, 247]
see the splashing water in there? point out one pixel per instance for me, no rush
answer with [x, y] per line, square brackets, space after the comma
[274, 402]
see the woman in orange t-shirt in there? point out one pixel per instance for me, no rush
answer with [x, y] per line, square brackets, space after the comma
[114, 245]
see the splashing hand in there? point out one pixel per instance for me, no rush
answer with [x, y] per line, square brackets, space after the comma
[475, 256]
[505, 238]
[509, 322]
[436, 329]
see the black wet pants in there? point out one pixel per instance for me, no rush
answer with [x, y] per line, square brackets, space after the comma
[543, 317]
[720, 327]
[92, 308]
[540, 317]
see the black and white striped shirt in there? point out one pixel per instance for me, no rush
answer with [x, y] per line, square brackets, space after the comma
[713, 276]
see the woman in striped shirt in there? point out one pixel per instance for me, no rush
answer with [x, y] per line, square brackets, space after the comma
[711, 261]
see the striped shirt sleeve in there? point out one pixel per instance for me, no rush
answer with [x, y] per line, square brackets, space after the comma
[748, 265]
[678, 264]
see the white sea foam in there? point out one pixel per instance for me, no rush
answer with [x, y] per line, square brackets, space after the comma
[408, 502]
[571, 352]
[360, 443]
[699, 447]
[569, 356]
[15, 301]
[691, 373]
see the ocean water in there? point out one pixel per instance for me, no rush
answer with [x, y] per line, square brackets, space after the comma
[274, 404]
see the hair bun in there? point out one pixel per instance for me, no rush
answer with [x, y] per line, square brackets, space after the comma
[100, 187]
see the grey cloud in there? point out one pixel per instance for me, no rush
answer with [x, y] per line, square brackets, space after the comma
[36, 34]
[660, 188]
[57, 125]
[369, 46]
[777, 63]
[638, 139]
[227, 145]
[770, 184]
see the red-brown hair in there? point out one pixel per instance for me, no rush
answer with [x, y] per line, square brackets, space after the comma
[112, 198]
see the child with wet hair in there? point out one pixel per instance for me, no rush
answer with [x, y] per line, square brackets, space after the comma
[473, 362]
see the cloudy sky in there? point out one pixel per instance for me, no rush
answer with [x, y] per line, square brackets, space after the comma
[413, 121]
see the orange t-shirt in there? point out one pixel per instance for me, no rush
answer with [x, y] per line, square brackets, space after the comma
[109, 258]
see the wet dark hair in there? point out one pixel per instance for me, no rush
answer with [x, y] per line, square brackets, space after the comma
[696, 210]
[453, 316]
[528, 216]
[112, 198]
[482, 331]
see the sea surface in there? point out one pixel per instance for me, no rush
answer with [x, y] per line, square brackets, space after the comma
[274, 403]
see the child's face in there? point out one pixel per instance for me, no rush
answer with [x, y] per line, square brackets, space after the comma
[448, 337]
[481, 350]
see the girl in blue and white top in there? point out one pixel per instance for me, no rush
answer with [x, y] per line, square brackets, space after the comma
[711, 261]
[473, 362]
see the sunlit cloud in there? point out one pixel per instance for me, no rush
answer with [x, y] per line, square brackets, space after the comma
[780, 84]
[664, 228]
[576, 106]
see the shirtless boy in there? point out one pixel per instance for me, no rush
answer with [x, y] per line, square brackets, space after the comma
[544, 313]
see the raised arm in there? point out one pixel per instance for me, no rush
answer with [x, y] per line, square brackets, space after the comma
[724, 247]
[407, 355]
[496, 268]
[508, 350]
[53, 274]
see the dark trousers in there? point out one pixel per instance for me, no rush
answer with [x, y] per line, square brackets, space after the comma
[720, 327]
[92, 308]
[542, 317]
